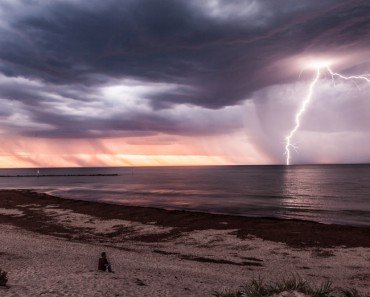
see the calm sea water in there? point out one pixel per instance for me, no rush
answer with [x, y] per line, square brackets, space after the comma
[323, 193]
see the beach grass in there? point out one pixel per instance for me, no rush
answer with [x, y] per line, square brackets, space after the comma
[257, 287]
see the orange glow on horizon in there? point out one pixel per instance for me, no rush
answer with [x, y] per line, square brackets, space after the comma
[82, 160]
[159, 150]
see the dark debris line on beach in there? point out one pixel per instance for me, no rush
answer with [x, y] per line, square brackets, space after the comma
[254, 262]
[295, 233]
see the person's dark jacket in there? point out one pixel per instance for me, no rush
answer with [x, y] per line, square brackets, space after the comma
[102, 264]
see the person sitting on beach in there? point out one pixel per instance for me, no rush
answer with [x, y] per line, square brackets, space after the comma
[104, 264]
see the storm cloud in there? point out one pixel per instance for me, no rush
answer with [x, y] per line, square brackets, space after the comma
[95, 69]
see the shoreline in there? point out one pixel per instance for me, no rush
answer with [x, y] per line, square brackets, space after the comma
[193, 210]
[157, 252]
[293, 232]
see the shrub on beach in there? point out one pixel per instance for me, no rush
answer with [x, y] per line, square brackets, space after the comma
[3, 278]
[258, 288]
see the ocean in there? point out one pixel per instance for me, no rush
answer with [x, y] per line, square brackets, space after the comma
[322, 193]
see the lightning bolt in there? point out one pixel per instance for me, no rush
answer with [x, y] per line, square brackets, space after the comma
[307, 100]
[361, 77]
[302, 109]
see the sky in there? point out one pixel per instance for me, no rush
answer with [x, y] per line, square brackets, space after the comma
[181, 82]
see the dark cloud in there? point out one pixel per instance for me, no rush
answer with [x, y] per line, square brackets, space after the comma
[190, 122]
[214, 56]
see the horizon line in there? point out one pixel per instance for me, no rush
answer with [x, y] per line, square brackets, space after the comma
[213, 165]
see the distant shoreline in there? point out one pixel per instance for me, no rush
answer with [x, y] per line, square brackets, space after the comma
[295, 233]
[56, 175]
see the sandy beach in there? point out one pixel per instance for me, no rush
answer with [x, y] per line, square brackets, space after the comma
[50, 247]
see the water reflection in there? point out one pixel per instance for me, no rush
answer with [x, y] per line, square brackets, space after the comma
[324, 194]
